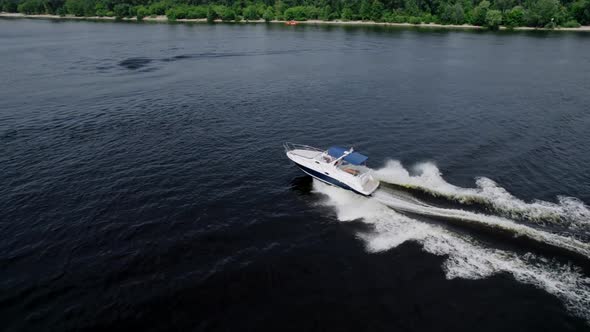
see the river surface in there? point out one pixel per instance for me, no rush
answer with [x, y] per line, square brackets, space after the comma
[143, 183]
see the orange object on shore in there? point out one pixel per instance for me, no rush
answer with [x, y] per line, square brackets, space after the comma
[291, 22]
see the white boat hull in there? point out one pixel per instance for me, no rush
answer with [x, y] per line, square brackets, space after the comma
[326, 172]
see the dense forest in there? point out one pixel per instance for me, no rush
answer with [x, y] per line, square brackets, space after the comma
[488, 13]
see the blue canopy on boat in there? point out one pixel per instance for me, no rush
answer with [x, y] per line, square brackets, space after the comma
[354, 158]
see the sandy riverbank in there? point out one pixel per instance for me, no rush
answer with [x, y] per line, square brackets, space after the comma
[163, 18]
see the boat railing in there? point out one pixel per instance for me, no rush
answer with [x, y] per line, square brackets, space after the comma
[289, 147]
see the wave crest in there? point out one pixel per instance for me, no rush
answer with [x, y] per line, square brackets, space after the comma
[568, 212]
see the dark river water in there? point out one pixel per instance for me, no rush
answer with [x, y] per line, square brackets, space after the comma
[144, 187]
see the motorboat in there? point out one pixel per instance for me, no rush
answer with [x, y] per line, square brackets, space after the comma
[338, 166]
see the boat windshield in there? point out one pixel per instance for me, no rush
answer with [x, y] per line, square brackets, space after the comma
[326, 158]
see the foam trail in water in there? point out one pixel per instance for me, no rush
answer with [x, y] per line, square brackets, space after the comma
[485, 220]
[466, 257]
[569, 212]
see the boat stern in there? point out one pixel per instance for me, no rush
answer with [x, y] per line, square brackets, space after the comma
[368, 185]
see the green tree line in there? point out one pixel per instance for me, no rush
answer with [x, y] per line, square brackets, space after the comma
[488, 13]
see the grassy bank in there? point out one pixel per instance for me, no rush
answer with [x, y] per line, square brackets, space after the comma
[165, 19]
[491, 14]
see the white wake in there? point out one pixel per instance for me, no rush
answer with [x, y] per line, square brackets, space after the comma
[467, 258]
[488, 221]
[569, 212]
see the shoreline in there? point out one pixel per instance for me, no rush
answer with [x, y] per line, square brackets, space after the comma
[164, 19]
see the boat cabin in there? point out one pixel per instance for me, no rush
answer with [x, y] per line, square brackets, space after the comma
[346, 160]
